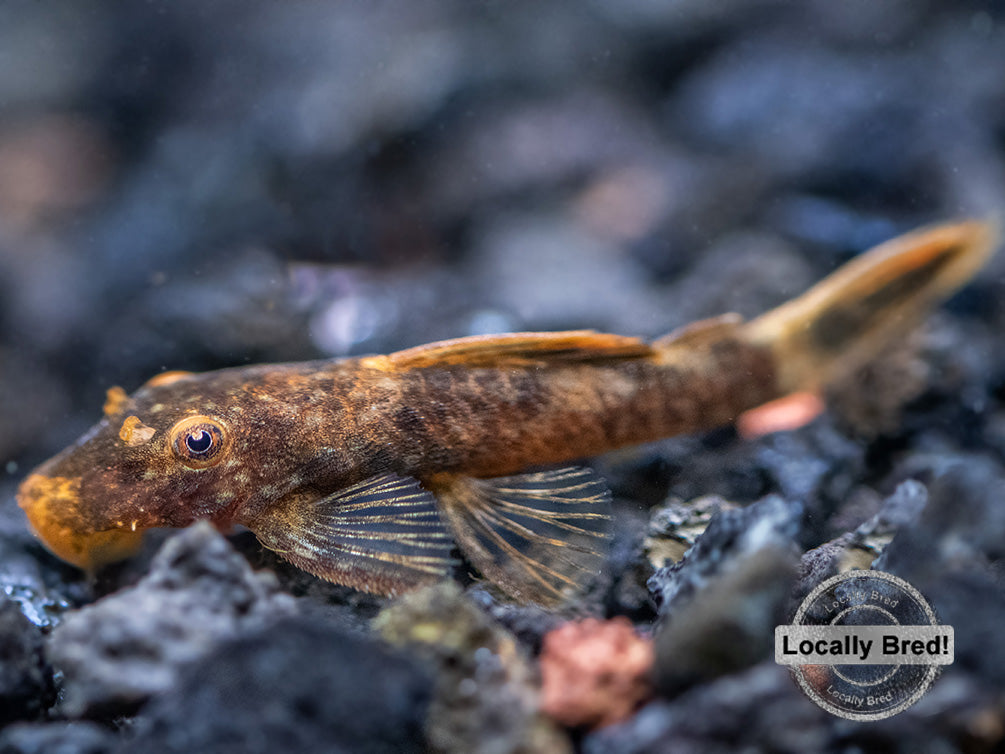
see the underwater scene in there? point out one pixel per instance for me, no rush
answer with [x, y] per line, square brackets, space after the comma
[461, 376]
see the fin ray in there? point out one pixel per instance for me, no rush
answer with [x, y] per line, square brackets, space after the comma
[540, 536]
[524, 348]
[532, 567]
[383, 535]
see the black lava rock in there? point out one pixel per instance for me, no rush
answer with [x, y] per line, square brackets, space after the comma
[954, 556]
[26, 688]
[295, 687]
[729, 625]
[123, 649]
[43, 586]
[78, 737]
[761, 707]
[486, 691]
[816, 465]
[730, 536]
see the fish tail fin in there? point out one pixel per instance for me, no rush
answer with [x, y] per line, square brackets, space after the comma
[852, 315]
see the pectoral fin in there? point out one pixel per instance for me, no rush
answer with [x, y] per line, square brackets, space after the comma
[383, 535]
[541, 536]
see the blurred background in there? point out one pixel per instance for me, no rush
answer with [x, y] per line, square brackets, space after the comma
[192, 185]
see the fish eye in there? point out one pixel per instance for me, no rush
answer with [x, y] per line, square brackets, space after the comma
[198, 441]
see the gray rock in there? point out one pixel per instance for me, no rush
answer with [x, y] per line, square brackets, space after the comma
[901, 508]
[78, 737]
[953, 555]
[527, 623]
[963, 518]
[486, 696]
[762, 707]
[817, 465]
[819, 564]
[294, 686]
[123, 649]
[676, 526]
[26, 688]
[727, 626]
[42, 586]
[730, 537]
[859, 548]
[898, 511]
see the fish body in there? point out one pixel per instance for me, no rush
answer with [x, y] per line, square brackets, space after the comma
[367, 471]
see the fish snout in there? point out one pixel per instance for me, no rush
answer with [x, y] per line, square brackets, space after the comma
[53, 507]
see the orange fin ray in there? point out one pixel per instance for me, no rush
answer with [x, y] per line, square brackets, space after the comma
[519, 349]
[542, 537]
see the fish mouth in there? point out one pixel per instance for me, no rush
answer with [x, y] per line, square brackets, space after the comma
[52, 504]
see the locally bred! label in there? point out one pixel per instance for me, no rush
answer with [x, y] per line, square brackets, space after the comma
[865, 645]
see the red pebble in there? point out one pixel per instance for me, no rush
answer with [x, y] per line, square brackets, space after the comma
[594, 673]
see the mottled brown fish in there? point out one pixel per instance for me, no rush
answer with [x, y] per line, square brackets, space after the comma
[365, 471]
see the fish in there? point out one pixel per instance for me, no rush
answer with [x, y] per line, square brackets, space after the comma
[375, 472]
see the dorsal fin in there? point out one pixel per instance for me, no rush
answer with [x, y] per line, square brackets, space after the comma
[702, 332]
[516, 349]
